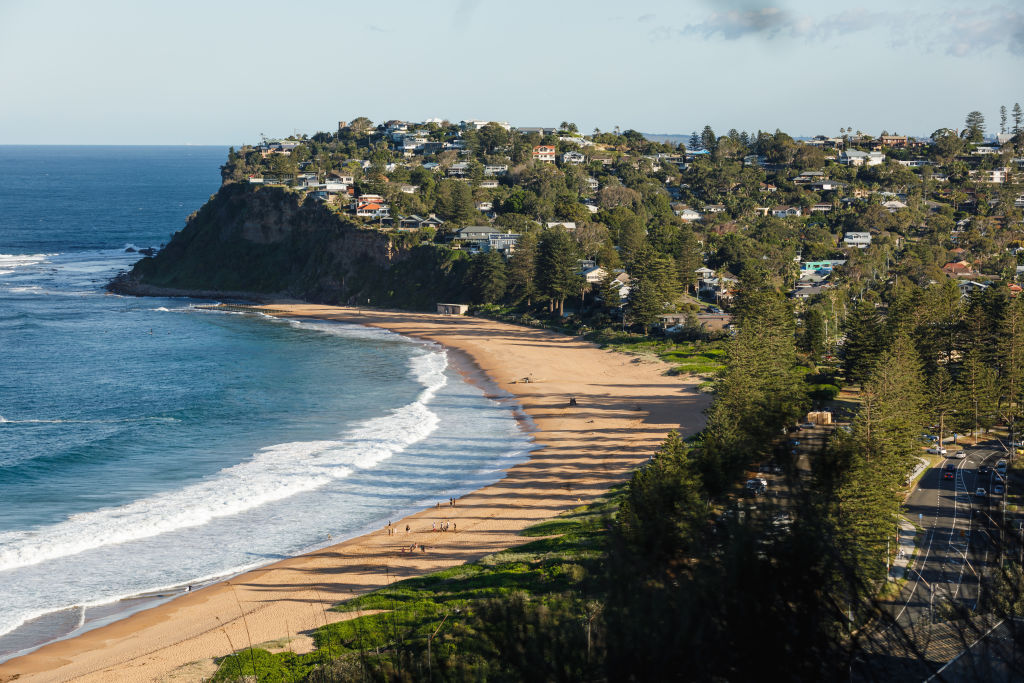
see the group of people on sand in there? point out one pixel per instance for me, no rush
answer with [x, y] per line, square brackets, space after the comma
[444, 526]
[412, 548]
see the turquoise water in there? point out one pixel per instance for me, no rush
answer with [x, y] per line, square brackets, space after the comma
[147, 445]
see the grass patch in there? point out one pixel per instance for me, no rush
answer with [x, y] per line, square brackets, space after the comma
[686, 358]
[564, 559]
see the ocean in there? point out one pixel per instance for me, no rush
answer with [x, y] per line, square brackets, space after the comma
[147, 445]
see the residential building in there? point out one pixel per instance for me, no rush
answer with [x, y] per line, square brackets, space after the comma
[458, 170]
[968, 287]
[568, 225]
[859, 240]
[895, 141]
[593, 185]
[821, 207]
[503, 242]
[995, 175]
[853, 157]
[785, 211]
[958, 268]
[574, 158]
[495, 169]
[544, 153]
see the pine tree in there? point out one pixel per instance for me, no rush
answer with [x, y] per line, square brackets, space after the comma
[865, 339]
[608, 291]
[707, 139]
[1018, 118]
[1011, 361]
[1002, 119]
[694, 142]
[813, 340]
[942, 398]
[558, 274]
[975, 127]
[652, 284]
[522, 268]
[977, 392]
[689, 258]
[487, 277]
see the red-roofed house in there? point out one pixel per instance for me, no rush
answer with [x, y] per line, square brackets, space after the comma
[544, 153]
[957, 268]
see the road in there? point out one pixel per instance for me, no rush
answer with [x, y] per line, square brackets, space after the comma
[958, 546]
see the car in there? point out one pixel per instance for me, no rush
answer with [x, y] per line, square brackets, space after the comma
[983, 469]
[807, 425]
[980, 492]
[936, 451]
[948, 472]
[1001, 467]
[960, 454]
[997, 490]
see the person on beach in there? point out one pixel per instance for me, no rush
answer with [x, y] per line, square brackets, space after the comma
[406, 528]
[433, 526]
[572, 401]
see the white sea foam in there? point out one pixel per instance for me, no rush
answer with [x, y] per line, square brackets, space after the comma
[8, 262]
[273, 473]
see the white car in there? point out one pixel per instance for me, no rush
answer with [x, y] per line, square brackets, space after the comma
[936, 451]
[981, 493]
[960, 454]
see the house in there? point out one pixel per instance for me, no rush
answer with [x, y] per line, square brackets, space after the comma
[968, 287]
[574, 158]
[568, 225]
[894, 205]
[545, 153]
[853, 157]
[372, 209]
[453, 309]
[768, 187]
[408, 189]
[784, 211]
[714, 208]
[859, 240]
[495, 169]
[957, 268]
[458, 170]
[484, 206]
[474, 237]
[593, 185]
[995, 175]
[826, 265]
[504, 242]
[489, 183]
[808, 177]
[595, 275]
[826, 185]
[821, 207]
[704, 272]
[689, 215]
[431, 221]
[539, 130]
[719, 288]
[894, 141]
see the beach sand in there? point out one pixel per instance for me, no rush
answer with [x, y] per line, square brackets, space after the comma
[625, 407]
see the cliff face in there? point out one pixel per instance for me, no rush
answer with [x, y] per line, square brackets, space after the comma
[265, 241]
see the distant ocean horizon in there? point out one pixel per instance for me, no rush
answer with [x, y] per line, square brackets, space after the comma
[146, 445]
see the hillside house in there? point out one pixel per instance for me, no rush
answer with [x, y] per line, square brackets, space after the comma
[857, 240]
[574, 158]
[545, 153]
[853, 157]
[785, 211]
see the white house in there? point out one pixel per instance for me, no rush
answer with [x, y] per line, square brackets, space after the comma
[853, 157]
[574, 158]
[784, 211]
[860, 240]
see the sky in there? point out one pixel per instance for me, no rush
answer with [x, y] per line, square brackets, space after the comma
[225, 72]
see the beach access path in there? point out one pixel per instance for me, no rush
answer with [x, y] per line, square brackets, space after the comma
[625, 407]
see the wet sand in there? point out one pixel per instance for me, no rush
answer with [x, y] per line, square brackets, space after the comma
[624, 410]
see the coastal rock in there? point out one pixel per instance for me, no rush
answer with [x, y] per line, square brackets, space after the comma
[263, 241]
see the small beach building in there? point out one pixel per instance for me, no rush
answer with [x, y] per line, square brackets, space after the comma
[453, 309]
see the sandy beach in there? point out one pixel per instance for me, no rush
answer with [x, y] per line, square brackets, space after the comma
[625, 408]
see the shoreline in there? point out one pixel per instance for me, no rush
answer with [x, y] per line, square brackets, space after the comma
[625, 409]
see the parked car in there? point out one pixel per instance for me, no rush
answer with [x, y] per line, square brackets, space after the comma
[1001, 467]
[960, 454]
[937, 450]
[983, 469]
[980, 492]
[997, 490]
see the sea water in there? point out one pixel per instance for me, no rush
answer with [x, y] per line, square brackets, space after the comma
[147, 445]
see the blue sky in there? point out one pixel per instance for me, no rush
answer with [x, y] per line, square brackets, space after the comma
[223, 72]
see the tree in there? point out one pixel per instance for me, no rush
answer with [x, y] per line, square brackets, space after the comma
[1002, 119]
[522, 268]
[694, 142]
[942, 398]
[487, 277]
[865, 340]
[813, 340]
[608, 291]
[1018, 118]
[652, 285]
[974, 127]
[557, 267]
[708, 139]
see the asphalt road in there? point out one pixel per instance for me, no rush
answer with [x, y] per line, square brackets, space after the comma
[960, 543]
